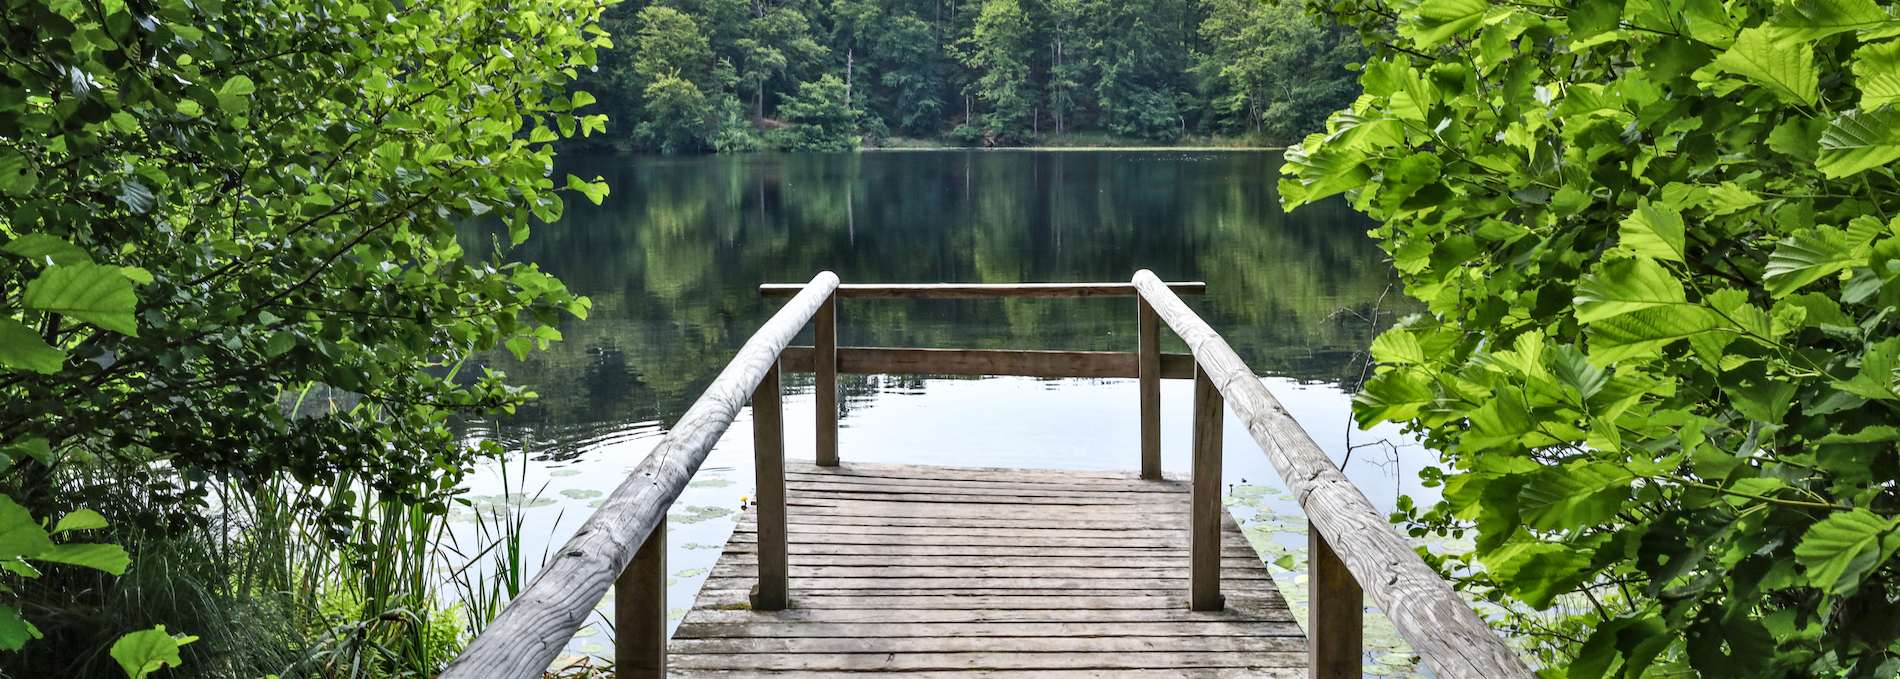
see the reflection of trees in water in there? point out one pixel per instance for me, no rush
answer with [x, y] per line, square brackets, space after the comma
[673, 258]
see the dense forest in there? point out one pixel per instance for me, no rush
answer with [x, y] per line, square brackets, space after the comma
[817, 75]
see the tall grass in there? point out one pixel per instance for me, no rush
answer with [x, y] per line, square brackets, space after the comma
[275, 577]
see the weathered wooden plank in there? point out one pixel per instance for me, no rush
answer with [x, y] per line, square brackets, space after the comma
[1129, 500]
[820, 515]
[962, 540]
[803, 616]
[870, 470]
[1148, 370]
[913, 644]
[879, 599]
[640, 638]
[1017, 362]
[768, 445]
[801, 550]
[1174, 673]
[824, 325]
[700, 629]
[1204, 535]
[919, 662]
[1136, 494]
[538, 623]
[862, 529]
[1454, 642]
[949, 509]
[1337, 617]
[979, 290]
[1178, 563]
[804, 572]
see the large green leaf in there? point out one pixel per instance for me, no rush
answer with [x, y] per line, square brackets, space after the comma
[43, 246]
[1838, 550]
[1859, 140]
[109, 558]
[1438, 20]
[1396, 396]
[20, 534]
[1643, 332]
[1806, 257]
[1397, 346]
[14, 630]
[1785, 67]
[1621, 286]
[97, 294]
[1537, 572]
[1806, 20]
[22, 348]
[1572, 497]
[1877, 74]
[1653, 230]
[80, 519]
[144, 652]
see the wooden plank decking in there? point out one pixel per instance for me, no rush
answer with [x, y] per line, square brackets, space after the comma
[941, 571]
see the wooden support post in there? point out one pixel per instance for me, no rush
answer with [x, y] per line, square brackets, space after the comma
[640, 611]
[768, 444]
[1149, 370]
[1204, 541]
[824, 327]
[1336, 629]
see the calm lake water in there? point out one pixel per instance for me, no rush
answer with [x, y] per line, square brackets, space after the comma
[674, 257]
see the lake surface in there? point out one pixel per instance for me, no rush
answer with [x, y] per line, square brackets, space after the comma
[673, 259]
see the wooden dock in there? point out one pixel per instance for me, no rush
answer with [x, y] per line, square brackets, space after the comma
[853, 568]
[1017, 572]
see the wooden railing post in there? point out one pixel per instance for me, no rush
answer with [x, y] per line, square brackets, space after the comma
[1205, 499]
[824, 326]
[1149, 371]
[1335, 615]
[768, 445]
[640, 611]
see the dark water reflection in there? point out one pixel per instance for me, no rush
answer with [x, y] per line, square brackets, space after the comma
[673, 259]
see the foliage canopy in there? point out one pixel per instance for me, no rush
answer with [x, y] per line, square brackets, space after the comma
[206, 206]
[1659, 247]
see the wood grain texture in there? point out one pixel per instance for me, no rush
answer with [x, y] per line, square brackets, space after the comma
[640, 611]
[824, 331]
[1022, 363]
[768, 451]
[978, 290]
[1206, 512]
[1337, 608]
[1453, 641]
[1148, 370]
[944, 569]
[538, 623]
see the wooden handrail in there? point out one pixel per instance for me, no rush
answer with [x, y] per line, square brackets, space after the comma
[893, 361]
[978, 290]
[1454, 642]
[538, 623]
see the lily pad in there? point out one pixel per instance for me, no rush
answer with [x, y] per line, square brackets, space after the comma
[714, 482]
[565, 472]
[690, 572]
[581, 493]
[698, 514]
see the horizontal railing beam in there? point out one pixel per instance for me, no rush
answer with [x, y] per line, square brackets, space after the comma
[1439, 625]
[979, 290]
[892, 361]
[535, 627]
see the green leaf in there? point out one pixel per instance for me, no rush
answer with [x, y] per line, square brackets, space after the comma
[1653, 230]
[40, 247]
[1857, 141]
[36, 448]
[1875, 379]
[1785, 67]
[17, 177]
[1537, 572]
[1643, 332]
[22, 348]
[1877, 74]
[1622, 286]
[1807, 257]
[1729, 198]
[144, 652]
[1438, 20]
[1397, 346]
[1396, 396]
[1328, 171]
[280, 342]
[20, 534]
[14, 630]
[109, 558]
[1810, 20]
[80, 519]
[1572, 370]
[1838, 550]
[1577, 496]
[97, 294]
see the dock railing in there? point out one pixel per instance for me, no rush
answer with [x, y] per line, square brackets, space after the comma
[624, 542]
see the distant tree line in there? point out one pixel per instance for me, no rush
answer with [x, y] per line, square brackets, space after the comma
[739, 75]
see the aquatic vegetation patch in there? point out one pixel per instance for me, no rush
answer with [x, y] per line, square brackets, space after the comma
[581, 493]
[696, 514]
[714, 482]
